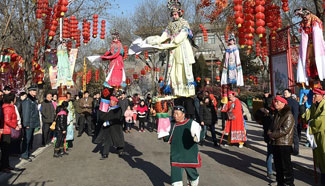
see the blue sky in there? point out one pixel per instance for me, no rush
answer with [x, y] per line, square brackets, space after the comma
[125, 7]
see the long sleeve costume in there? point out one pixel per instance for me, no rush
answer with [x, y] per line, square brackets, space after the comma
[235, 127]
[311, 62]
[316, 117]
[232, 72]
[116, 75]
[179, 71]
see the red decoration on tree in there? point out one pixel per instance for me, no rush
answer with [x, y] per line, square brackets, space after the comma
[88, 76]
[146, 55]
[198, 79]
[143, 72]
[97, 75]
[249, 23]
[285, 5]
[53, 28]
[95, 25]
[259, 9]
[125, 52]
[86, 31]
[102, 33]
[128, 81]
[238, 8]
[66, 33]
[135, 76]
[161, 78]
[205, 33]
[147, 68]
[62, 7]
[157, 69]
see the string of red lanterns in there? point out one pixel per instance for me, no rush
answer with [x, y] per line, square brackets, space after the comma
[205, 33]
[102, 33]
[95, 25]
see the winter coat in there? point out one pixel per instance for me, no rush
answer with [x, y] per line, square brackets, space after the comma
[77, 106]
[30, 112]
[9, 119]
[83, 103]
[19, 105]
[47, 111]
[96, 104]
[61, 120]
[128, 115]
[267, 101]
[283, 125]
[123, 103]
[142, 111]
[294, 105]
[208, 114]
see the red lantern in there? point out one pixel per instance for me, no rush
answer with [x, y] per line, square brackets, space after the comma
[218, 78]
[125, 52]
[95, 25]
[97, 75]
[238, 8]
[143, 72]
[157, 69]
[146, 55]
[88, 76]
[147, 68]
[102, 33]
[205, 33]
[161, 78]
[128, 81]
[198, 79]
[135, 76]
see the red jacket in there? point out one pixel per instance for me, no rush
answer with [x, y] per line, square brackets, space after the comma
[9, 118]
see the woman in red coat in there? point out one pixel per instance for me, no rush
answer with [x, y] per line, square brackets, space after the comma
[235, 123]
[8, 121]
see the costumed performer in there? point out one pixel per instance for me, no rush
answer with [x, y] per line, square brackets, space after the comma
[232, 73]
[111, 133]
[116, 75]
[316, 118]
[180, 81]
[64, 76]
[184, 150]
[311, 62]
[235, 123]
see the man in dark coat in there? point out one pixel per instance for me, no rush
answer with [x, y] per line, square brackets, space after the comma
[112, 130]
[30, 122]
[48, 116]
[294, 105]
[281, 134]
[267, 100]
[123, 102]
[86, 104]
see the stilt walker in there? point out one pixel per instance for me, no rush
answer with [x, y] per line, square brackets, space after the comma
[232, 73]
[116, 74]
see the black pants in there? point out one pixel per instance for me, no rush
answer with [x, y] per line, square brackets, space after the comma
[46, 133]
[60, 137]
[283, 165]
[224, 119]
[141, 123]
[28, 140]
[5, 148]
[88, 119]
[295, 140]
[77, 119]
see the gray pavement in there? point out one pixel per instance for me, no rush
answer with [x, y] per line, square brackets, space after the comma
[146, 163]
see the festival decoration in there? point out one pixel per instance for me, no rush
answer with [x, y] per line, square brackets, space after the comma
[97, 75]
[135, 76]
[259, 9]
[86, 31]
[102, 33]
[161, 78]
[147, 68]
[143, 72]
[125, 52]
[88, 76]
[128, 81]
[95, 25]
[53, 28]
[238, 8]
[62, 4]
[66, 30]
[198, 79]
[285, 5]
[146, 55]
[205, 33]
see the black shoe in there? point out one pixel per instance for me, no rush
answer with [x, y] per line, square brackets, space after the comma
[65, 153]
[32, 156]
[56, 155]
[79, 135]
[27, 159]
[121, 153]
[215, 144]
[104, 156]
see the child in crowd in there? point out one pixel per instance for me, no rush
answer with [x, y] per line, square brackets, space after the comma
[128, 119]
[142, 114]
[61, 129]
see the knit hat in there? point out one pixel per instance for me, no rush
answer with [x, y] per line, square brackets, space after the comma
[280, 98]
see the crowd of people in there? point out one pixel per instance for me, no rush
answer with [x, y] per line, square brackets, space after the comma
[282, 118]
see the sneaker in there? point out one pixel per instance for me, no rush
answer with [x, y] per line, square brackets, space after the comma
[270, 177]
[143, 130]
[140, 131]
[226, 145]
[241, 146]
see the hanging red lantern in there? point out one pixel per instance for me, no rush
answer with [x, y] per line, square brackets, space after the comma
[218, 78]
[146, 55]
[125, 52]
[135, 76]
[95, 25]
[97, 75]
[147, 68]
[205, 33]
[102, 33]
[88, 76]
[157, 69]
[198, 79]
[143, 72]
[161, 78]
[128, 81]
[238, 8]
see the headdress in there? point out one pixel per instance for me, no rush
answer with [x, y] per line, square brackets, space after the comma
[115, 34]
[175, 6]
[302, 12]
[232, 37]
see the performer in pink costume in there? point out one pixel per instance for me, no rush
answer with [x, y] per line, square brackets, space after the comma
[311, 63]
[116, 75]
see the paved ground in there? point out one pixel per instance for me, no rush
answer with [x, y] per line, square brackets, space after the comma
[146, 163]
